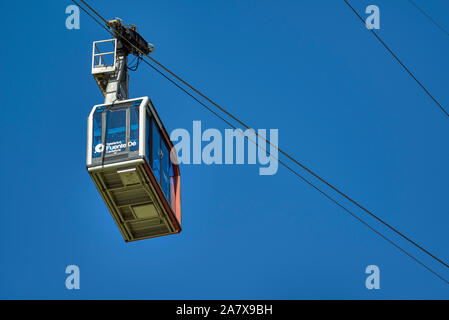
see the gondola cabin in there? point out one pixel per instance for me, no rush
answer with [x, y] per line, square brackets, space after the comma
[128, 158]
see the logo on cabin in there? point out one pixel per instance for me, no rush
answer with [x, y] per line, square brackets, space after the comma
[114, 146]
[99, 148]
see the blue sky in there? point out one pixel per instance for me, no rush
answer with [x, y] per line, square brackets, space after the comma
[342, 105]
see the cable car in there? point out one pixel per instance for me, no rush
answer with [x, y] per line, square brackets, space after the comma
[129, 153]
[129, 162]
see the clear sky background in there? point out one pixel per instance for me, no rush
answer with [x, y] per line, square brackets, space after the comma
[342, 105]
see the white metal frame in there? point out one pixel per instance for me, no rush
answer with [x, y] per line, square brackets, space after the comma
[142, 125]
[97, 67]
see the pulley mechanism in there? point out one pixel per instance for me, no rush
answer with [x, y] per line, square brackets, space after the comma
[131, 41]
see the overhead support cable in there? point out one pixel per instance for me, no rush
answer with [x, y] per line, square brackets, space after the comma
[399, 61]
[439, 26]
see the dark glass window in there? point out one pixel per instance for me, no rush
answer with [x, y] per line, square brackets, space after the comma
[148, 138]
[158, 155]
[97, 147]
[134, 130]
[156, 152]
[116, 131]
[165, 167]
[172, 190]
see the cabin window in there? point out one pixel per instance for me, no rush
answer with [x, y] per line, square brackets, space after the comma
[172, 191]
[148, 138]
[116, 131]
[134, 129]
[96, 140]
[158, 155]
[165, 166]
[156, 151]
